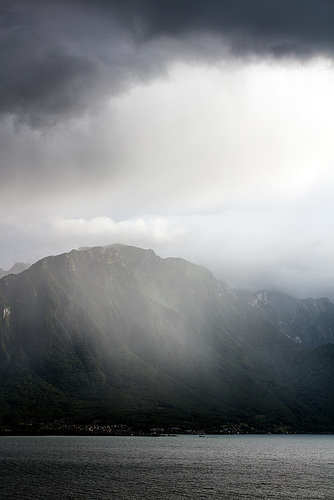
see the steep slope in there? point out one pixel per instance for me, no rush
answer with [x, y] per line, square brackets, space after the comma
[117, 332]
[313, 322]
[309, 322]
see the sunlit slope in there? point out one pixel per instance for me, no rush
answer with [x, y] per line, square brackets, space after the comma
[117, 332]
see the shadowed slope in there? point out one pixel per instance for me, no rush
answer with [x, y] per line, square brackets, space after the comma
[118, 332]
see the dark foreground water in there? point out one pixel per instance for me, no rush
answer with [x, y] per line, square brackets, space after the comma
[159, 468]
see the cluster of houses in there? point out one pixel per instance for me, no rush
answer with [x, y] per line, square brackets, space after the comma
[67, 427]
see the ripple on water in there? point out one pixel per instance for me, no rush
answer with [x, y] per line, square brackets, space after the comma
[173, 468]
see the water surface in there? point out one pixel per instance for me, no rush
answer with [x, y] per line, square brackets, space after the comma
[160, 468]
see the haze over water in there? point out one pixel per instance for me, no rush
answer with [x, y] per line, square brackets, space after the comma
[210, 467]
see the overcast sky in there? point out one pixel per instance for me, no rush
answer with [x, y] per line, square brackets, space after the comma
[200, 129]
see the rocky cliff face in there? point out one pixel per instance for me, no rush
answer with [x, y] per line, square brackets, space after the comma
[309, 322]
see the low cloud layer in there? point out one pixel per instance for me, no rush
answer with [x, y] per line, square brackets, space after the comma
[199, 129]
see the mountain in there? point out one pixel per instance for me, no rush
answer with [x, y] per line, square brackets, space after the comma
[309, 322]
[121, 335]
[17, 268]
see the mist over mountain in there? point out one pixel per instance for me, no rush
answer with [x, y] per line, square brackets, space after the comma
[17, 268]
[309, 321]
[119, 334]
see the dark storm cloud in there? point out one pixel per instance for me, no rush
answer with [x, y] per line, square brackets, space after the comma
[274, 27]
[39, 78]
[63, 59]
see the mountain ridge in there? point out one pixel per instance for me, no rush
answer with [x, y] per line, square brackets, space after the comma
[308, 321]
[117, 332]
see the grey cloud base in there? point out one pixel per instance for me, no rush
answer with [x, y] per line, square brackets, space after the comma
[62, 61]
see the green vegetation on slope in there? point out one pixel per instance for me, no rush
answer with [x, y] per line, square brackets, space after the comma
[119, 334]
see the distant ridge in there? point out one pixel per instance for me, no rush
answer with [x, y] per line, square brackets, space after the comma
[17, 268]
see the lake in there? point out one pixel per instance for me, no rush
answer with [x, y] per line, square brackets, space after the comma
[159, 468]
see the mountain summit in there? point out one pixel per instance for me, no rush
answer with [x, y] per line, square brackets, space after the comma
[119, 334]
